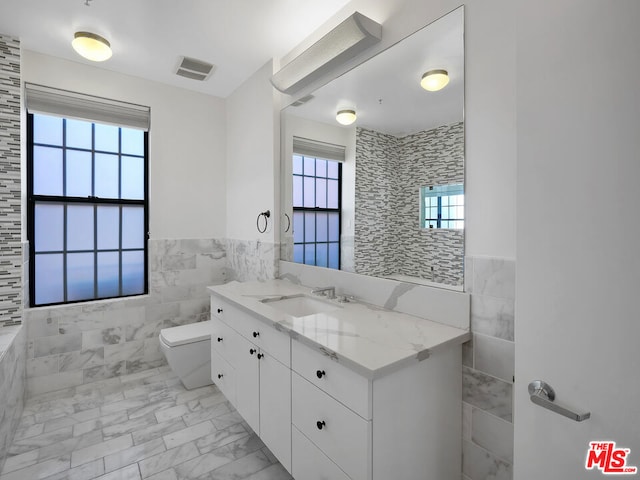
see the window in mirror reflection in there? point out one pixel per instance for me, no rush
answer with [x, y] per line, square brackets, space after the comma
[316, 211]
[442, 206]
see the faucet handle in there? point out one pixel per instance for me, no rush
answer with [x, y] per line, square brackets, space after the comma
[346, 298]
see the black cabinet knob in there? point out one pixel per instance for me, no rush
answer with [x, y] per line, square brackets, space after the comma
[256, 334]
[260, 355]
[219, 339]
[320, 373]
[320, 424]
[219, 310]
[252, 351]
[220, 375]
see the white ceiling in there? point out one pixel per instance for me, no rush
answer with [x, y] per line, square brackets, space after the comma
[149, 36]
[385, 91]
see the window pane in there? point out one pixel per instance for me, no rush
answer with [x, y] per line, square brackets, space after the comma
[321, 168]
[132, 227]
[297, 191]
[332, 194]
[132, 178]
[332, 169]
[334, 255]
[322, 227]
[106, 175]
[108, 274]
[297, 164]
[106, 138]
[309, 192]
[132, 273]
[309, 227]
[47, 171]
[298, 253]
[321, 193]
[47, 129]
[309, 166]
[80, 276]
[79, 134]
[79, 227]
[108, 228]
[310, 254]
[334, 227]
[48, 281]
[49, 228]
[322, 256]
[78, 174]
[298, 227]
[132, 141]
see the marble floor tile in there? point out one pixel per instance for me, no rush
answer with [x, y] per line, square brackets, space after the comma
[142, 426]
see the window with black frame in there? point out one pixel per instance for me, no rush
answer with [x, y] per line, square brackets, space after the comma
[87, 209]
[316, 210]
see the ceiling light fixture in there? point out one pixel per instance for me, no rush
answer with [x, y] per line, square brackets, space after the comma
[434, 80]
[91, 46]
[346, 117]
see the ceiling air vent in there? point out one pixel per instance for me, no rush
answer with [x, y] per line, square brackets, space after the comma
[302, 101]
[194, 69]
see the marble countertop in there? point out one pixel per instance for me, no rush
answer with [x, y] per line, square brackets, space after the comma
[370, 340]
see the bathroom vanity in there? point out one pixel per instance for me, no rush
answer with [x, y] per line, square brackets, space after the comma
[339, 390]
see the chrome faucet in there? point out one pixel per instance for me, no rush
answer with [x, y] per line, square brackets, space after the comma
[330, 292]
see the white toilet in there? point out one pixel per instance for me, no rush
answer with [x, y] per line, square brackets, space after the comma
[187, 348]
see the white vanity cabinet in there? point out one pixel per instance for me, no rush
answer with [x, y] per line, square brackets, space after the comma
[247, 365]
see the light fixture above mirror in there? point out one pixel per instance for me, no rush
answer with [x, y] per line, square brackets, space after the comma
[91, 46]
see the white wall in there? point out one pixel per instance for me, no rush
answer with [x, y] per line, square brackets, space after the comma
[186, 143]
[252, 157]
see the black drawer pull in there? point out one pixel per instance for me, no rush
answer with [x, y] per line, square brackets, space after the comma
[252, 351]
[320, 373]
[320, 424]
[256, 334]
[219, 339]
[219, 310]
[220, 375]
[260, 355]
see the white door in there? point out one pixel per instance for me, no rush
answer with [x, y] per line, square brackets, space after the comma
[247, 382]
[578, 235]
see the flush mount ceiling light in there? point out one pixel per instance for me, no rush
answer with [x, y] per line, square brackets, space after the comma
[91, 46]
[434, 80]
[344, 42]
[346, 117]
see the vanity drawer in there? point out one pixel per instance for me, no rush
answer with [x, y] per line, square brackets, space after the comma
[309, 463]
[223, 340]
[261, 334]
[341, 434]
[340, 382]
[223, 375]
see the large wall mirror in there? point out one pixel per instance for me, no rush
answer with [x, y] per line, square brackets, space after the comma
[384, 195]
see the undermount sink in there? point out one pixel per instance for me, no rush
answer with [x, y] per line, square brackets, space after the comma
[300, 305]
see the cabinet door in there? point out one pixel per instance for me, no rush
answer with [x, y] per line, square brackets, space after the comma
[223, 375]
[275, 407]
[247, 382]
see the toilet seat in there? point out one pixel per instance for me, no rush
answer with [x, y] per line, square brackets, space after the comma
[185, 334]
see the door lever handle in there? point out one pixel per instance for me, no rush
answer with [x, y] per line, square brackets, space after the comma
[542, 394]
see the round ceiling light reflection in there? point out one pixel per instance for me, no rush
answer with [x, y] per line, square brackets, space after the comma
[91, 46]
[434, 80]
[346, 117]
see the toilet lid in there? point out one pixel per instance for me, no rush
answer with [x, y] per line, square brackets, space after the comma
[193, 332]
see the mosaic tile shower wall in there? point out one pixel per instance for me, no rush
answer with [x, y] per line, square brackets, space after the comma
[10, 241]
[389, 174]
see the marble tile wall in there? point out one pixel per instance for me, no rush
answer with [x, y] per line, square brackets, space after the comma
[12, 384]
[81, 343]
[10, 197]
[251, 260]
[488, 370]
[390, 172]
